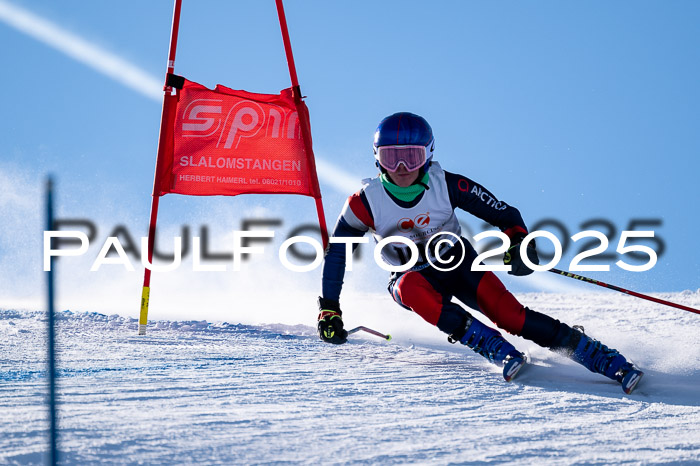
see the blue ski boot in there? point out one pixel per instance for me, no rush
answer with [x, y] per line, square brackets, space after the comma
[598, 358]
[489, 343]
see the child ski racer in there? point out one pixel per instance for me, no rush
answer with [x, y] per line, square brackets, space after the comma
[414, 198]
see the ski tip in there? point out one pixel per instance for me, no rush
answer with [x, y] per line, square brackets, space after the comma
[631, 380]
[512, 367]
[388, 338]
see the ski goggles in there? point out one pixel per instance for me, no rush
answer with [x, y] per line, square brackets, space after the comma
[390, 157]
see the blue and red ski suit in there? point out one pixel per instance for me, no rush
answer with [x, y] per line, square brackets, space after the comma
[428, 291]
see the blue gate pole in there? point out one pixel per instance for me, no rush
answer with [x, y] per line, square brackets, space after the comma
[53, 453]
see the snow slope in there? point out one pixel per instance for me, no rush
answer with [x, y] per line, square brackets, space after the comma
[222, 393]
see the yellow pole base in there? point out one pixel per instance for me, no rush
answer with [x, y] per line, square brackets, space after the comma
[143, 317]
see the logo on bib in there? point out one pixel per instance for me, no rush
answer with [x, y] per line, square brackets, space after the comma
[419, 221]
[422, 220]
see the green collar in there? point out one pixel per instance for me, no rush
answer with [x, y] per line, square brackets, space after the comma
[408, 193]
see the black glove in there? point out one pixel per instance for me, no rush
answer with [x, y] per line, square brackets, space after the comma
[512, 257]
[330, 322]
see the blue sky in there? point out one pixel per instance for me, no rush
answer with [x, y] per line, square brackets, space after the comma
[573, 111]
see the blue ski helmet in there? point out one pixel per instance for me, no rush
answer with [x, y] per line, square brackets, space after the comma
[405, 129]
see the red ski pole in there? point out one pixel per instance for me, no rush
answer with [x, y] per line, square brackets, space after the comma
[303, 120]
[622, 290]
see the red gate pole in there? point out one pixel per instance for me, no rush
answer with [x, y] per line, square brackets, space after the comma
[303, 121]
[167, 101]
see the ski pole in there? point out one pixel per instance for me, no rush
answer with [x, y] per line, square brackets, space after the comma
[369, 330]
[622, 290]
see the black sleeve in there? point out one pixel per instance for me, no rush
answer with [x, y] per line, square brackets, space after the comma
[334, 261]
[354, 221]
[472, 197]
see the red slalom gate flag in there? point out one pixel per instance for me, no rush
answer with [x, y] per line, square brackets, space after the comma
[229, 142]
